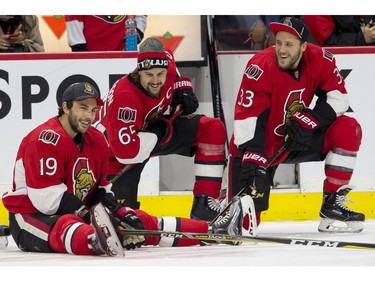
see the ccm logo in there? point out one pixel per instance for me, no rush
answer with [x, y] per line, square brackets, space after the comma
[307, 121]
[256, 158]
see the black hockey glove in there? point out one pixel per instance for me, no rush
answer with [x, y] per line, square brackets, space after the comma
[253, 176]
[183, 94]
[300, 130]
[125, 218]
[162, 128]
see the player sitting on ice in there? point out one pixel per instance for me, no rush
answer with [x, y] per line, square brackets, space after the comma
[61, 200]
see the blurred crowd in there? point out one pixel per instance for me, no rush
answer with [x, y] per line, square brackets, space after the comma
[233, 32]
[251, 32]
[84, 32]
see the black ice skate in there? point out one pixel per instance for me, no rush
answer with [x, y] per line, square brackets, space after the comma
[334, 210]
[205, 208]
[105, 240]
[231, 222]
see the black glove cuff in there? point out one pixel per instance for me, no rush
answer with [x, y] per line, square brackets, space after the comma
[160, 127]
[324, 113]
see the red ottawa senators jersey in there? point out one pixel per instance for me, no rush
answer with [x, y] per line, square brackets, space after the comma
[99, 33]
[49, 162]
[268, 96]
[127, 110]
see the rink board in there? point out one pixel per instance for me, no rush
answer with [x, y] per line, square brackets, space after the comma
[286, 206]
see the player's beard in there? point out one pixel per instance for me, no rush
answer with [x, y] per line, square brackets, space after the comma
[154, 91]
[74, 123]
[291, 62]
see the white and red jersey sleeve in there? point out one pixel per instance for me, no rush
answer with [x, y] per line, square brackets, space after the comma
[74, 30]
[331, 83]
[123, 122]
[253, 101]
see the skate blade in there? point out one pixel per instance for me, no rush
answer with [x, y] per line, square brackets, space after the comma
[103, 221]
[334, 226]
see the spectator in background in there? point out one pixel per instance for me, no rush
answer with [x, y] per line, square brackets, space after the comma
[240, 32]
[257, 36]
[20, 34]
[246, 32]
[341, 30]
[100, 33]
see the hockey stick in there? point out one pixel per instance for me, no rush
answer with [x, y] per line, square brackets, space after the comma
[273, 158]
[214, 72]
[261, 239]
[177, 113]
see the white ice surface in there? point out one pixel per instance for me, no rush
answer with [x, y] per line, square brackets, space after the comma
[249, 261]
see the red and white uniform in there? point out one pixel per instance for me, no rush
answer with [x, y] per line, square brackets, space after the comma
[268, 97]
[100, 32]
[49, 163]
[126, 110]
[128, 107]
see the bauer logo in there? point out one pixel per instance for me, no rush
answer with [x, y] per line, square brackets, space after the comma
[254, 72]
[49, 136]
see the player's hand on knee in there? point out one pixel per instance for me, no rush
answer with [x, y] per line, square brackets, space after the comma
[253, 176]
[300, 130]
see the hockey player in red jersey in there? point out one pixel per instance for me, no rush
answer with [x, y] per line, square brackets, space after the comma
[61, 200]
[134, 123]
[274, 108]
[100, 32]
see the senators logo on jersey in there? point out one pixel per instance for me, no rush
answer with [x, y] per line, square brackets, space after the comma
[328, 55]
[127, 114]
[293, 104]
[154, 114]
[254, 72]
[49, 137]
[111, 19]
[83, 178]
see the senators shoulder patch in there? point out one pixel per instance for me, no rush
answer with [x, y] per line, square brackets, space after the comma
[254, 72]
[49, 137]
[328, 55]
[126, 114]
